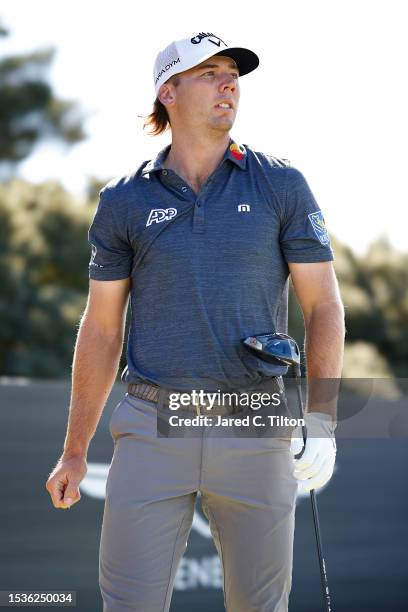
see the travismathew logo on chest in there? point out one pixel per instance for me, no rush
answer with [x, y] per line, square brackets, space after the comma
[161, 214]
[244, 207]
[197, 39]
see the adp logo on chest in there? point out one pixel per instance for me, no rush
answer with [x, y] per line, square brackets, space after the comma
[161, 214]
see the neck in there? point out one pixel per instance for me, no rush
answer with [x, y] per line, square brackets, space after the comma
[195, 158]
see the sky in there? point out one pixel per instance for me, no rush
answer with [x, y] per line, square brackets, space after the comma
[330, 93]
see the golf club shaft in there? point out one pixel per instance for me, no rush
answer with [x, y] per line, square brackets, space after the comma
[322, 564]
[316, 522]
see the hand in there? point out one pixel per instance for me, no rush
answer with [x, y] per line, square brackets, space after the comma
[315, 468]
[63, 482]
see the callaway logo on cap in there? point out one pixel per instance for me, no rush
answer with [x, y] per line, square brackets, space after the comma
[184, 54]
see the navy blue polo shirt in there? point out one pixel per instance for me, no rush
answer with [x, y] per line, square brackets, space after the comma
[206, 269]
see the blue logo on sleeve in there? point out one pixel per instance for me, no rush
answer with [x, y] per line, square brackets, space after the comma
[319, 227]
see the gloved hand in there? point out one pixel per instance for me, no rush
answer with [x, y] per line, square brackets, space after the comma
[315, 468]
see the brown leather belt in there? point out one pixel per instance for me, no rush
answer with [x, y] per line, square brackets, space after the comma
[161, 396]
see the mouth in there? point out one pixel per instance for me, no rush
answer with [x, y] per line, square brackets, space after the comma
[226, 106]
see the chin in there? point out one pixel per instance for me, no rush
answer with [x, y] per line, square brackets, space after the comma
[223, 126]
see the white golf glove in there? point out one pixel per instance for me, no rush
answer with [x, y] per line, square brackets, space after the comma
[315, 468]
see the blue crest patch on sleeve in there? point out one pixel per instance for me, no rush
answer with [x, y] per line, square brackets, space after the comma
[319, 227]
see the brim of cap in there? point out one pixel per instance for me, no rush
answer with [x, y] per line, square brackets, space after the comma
[245, 59]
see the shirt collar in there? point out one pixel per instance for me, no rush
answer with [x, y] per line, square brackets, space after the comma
[157, 163]
[235, 152]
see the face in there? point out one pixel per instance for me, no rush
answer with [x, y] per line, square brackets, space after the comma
[206, 96]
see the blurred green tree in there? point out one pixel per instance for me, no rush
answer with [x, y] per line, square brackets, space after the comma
[387, 271]
[29, 109]
[374, 289]
[43, 233]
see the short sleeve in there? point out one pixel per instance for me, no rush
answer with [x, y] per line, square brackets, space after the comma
[112, 254]
[303, 236]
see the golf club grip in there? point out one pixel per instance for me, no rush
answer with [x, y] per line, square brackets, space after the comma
[304, 430]
[322, 564]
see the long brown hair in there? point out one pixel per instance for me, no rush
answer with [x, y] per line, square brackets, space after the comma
[159, 121]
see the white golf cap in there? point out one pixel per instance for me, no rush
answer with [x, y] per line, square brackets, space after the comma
[184, 54]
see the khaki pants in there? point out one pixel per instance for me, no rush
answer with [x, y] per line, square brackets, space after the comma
[248, 495]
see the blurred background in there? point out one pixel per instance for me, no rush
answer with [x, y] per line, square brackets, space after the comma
[330, 95]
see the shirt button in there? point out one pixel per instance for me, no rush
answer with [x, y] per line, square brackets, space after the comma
[184, 189]
[198, 204]
[164, 172]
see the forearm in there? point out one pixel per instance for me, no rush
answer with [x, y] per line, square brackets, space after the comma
[324, 348]
[95, 365]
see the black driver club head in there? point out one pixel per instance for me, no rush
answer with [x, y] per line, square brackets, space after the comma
[274, 348]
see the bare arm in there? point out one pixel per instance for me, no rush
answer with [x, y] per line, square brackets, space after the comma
[96, 359]
[318, 294]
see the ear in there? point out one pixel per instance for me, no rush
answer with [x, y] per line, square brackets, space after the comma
[167, 94]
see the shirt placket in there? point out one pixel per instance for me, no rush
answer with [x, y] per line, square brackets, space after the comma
[176, 183]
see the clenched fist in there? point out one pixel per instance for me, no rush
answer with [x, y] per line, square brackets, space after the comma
[63, 482]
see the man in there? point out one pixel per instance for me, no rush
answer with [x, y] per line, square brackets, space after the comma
[203, 239]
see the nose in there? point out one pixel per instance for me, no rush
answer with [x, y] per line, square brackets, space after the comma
[227, 81]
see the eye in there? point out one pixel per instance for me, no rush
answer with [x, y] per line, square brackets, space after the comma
[210, 72]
